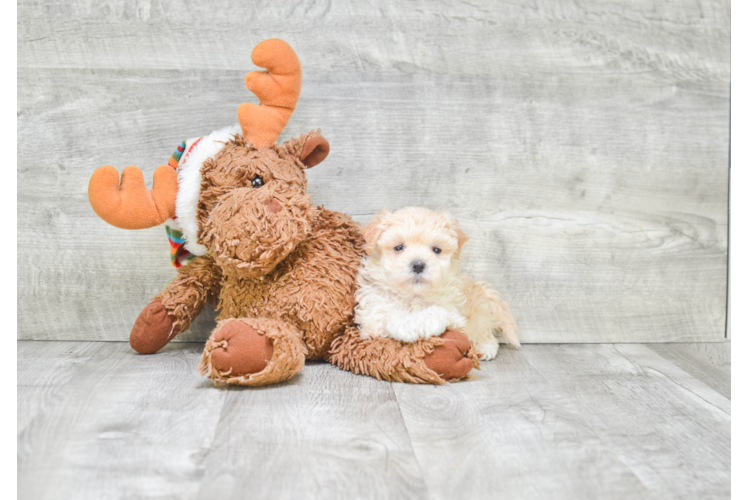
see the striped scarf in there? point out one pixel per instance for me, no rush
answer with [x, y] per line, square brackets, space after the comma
[179, 254]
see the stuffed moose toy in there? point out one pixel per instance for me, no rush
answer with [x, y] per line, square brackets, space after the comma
[245, 237]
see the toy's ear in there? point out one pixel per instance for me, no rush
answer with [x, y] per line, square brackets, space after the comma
[374, 229]
[311, 149]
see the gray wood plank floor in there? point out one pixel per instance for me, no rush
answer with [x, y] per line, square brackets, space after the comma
[96, 420]
[582, 144]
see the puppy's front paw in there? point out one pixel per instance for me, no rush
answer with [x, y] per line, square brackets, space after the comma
[407, 328]
[433, 321]
[488, 349]
[456, 321]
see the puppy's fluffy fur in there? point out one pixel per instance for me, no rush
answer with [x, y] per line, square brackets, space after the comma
[409, 285]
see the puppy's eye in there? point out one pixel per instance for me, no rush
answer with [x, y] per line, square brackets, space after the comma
[437, 250]
[257, 182]
[399, 248]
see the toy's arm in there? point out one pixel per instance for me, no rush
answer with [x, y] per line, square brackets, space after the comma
[197, 283]
[172, 311]
[435, 360]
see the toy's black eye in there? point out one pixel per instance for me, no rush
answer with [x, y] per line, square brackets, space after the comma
[257, 182]
[399, 248]
[437, 250]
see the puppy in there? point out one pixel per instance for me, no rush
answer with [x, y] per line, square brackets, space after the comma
[409, 285]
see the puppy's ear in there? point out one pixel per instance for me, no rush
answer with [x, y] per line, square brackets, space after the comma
[458, 233]
[462, 238]
[374, 229]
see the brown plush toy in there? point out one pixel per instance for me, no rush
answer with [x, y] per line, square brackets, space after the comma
[245, 236]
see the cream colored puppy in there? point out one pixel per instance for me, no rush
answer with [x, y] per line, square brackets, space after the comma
[409, 285]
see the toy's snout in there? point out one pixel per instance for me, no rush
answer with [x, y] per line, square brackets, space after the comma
[250, 231]
[273, 205]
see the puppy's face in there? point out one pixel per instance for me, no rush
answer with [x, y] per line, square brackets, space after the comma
[415, 249]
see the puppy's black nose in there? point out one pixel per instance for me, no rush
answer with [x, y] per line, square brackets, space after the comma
[417, 266]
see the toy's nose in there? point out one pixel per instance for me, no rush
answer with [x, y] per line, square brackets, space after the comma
[417, 266]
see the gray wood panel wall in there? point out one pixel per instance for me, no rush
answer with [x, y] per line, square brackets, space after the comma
[583, 146]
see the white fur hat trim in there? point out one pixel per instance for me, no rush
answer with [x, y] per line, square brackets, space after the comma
[188, 176]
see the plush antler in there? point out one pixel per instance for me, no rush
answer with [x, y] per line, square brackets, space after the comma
[129, 204]
[278, 89]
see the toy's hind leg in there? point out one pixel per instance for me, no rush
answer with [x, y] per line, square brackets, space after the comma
[249, 351]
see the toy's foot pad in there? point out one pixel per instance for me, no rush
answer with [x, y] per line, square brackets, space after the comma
[453, 359]
[240, 349]
[253, 352]
[152, 329]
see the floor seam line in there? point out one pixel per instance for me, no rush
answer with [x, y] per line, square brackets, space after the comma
[410, 440]
[729, 415]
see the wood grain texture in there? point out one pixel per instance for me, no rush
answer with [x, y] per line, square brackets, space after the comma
[582, 422]
[324, 434]
[583, 146]
[123, 426]
[548, 421]
[43, 371]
